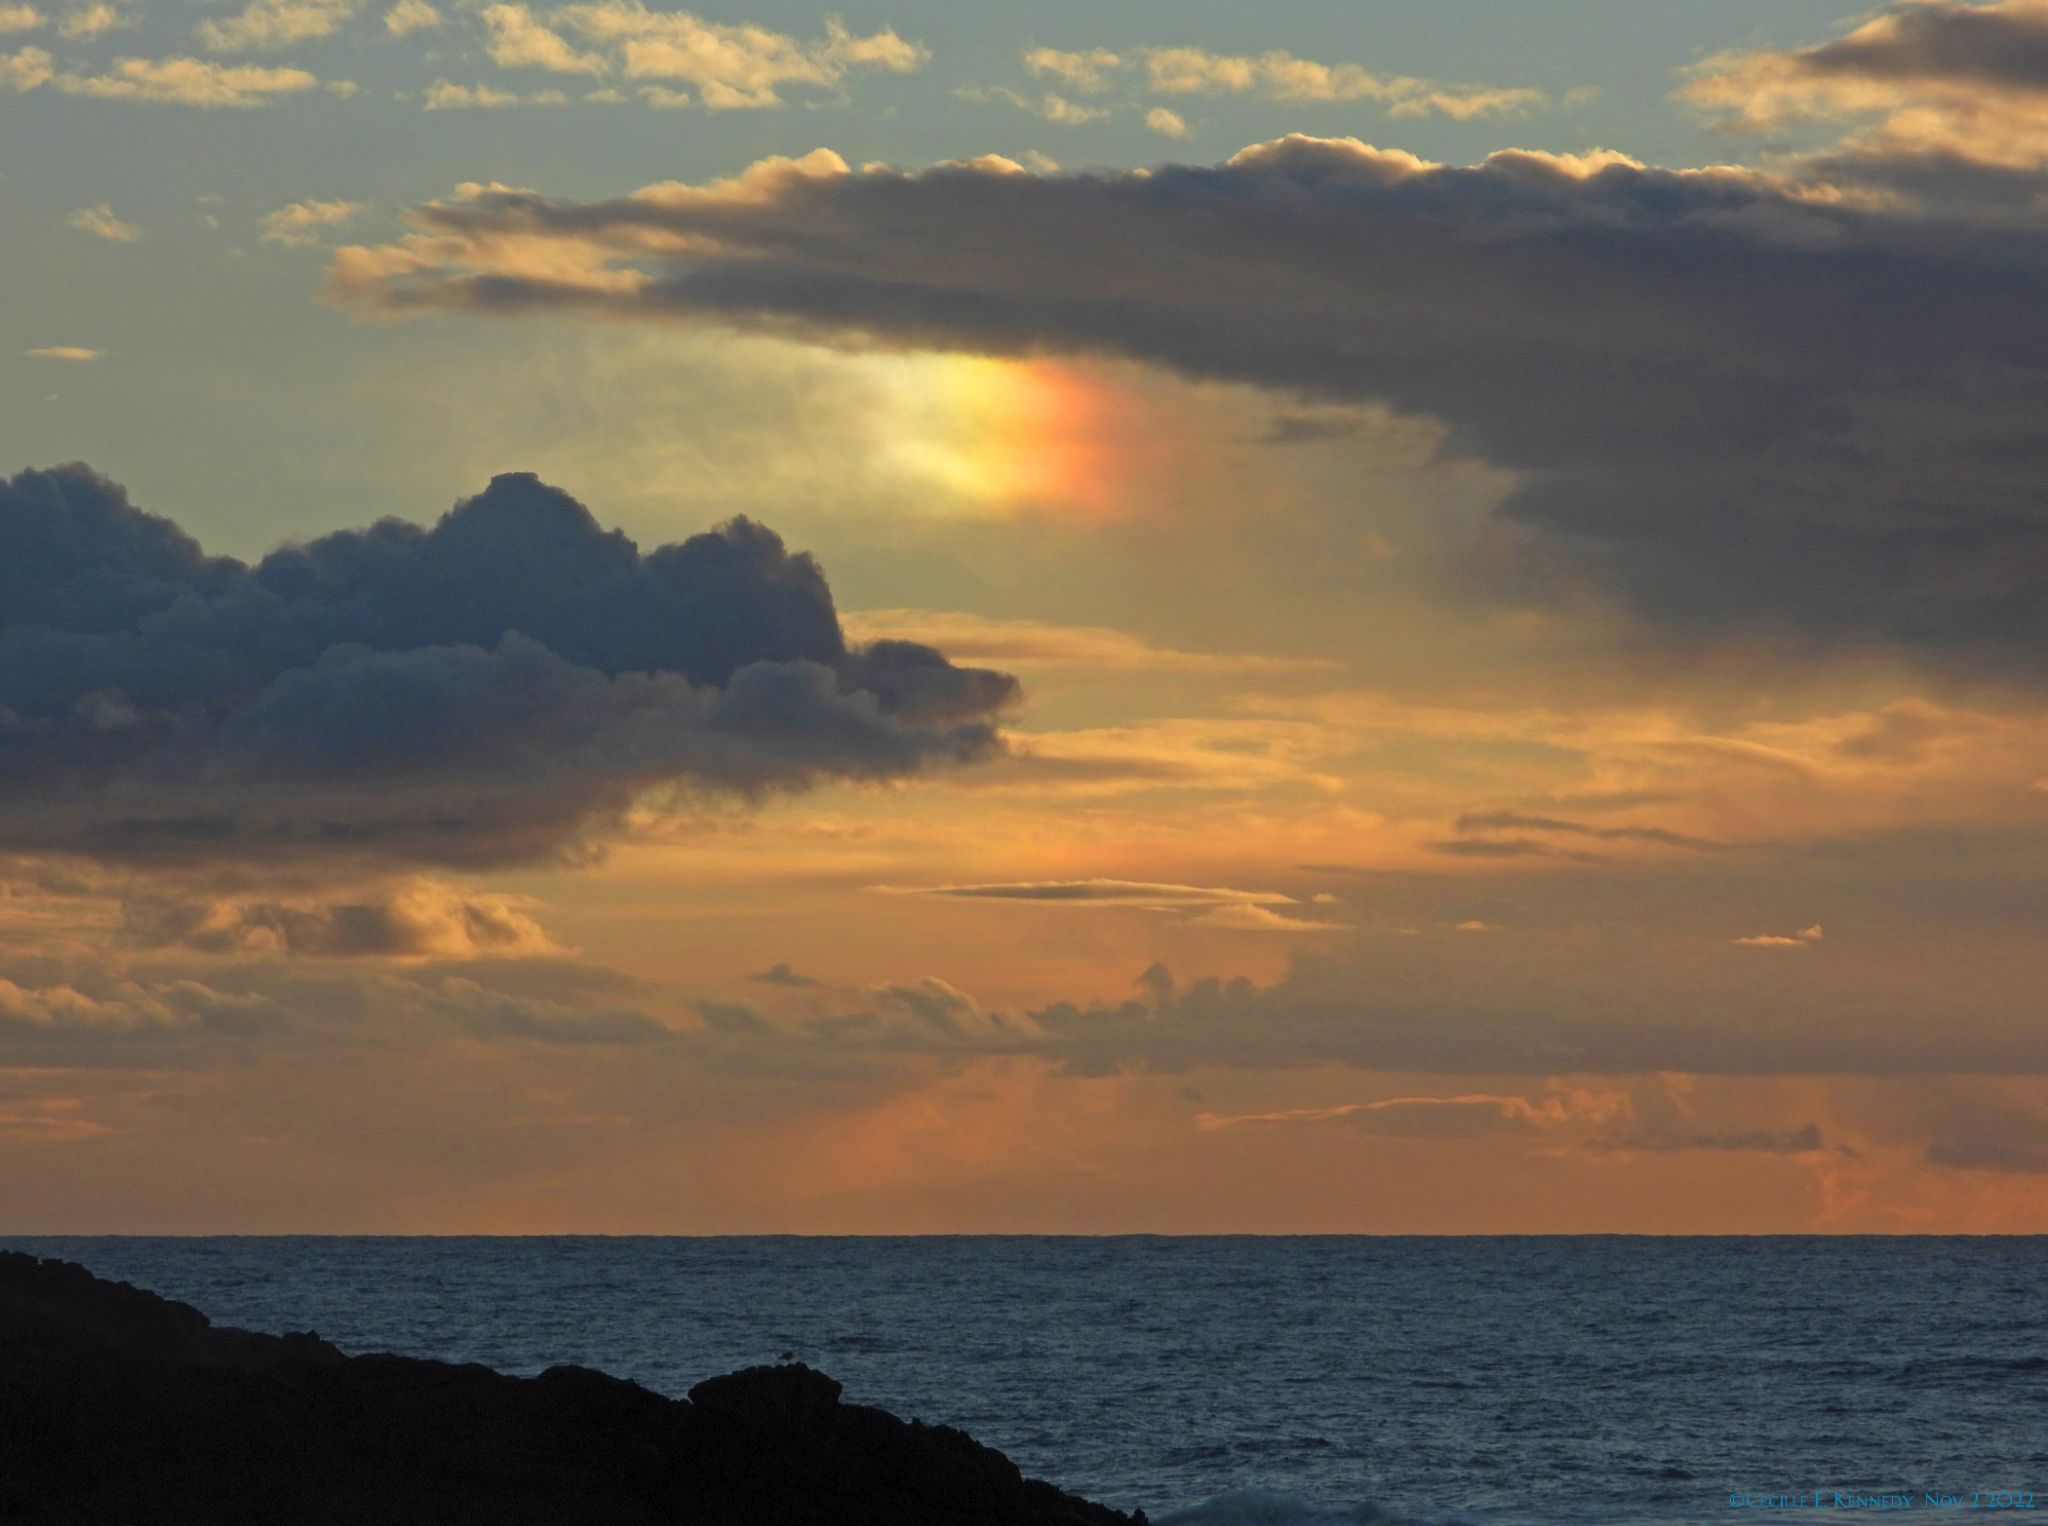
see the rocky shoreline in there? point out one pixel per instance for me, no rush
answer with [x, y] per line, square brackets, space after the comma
[121, 1408]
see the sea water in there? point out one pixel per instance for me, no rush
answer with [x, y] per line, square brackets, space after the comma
[1217, 1381]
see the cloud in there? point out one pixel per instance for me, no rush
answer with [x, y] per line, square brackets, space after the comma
[410, 16]
[1937, 78]
[101, 222]
[1729, 408]
[1102, 893]
[26, 69]
[1800, 939]
[1653, 1116]
[189, 82]
[298, 224]
[731, 1017]
[1210, 907]
[110, 1012]
[1051, 107]
[1496, 821]
[1244, 917]
[443, 96]
[1090, 71]
[943, 1008]
[1506, 847]
[1038, 644]
[93, 20]
[518, 41]
[1280, 76]
[731, 67]
[1274, 76]
[488, 690]
[19, 18]
[783, 975]
[416, 918]
[71, 352]
[1168, 124]
[1456, 1004]
[264, 26]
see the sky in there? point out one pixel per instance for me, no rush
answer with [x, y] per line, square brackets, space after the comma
[1408, 618]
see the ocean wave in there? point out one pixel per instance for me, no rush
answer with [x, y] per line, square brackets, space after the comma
[1265, 1507]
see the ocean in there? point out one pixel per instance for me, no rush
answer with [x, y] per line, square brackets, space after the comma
[1282, 1381]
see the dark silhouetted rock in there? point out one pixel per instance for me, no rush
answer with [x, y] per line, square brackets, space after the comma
[120, 1408]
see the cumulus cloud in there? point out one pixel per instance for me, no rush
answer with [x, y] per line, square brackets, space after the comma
[299, 224]
[487, 690]
[1730, 406]
[20, 18]
[101, 222]
[267, 25]
[1167, 123]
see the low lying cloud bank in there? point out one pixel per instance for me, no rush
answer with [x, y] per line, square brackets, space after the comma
[489, 690]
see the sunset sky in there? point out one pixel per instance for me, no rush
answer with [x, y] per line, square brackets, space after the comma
[1418, 617]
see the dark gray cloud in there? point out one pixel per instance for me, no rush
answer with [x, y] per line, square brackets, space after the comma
[482, 691]
[1735, 407]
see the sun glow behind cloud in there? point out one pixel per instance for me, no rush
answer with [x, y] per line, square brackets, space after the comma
[1013, 435]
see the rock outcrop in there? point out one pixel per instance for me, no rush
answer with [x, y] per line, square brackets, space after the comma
[120, 1408]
